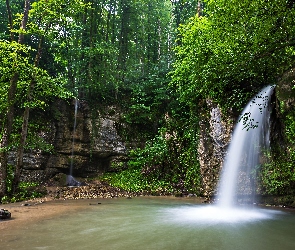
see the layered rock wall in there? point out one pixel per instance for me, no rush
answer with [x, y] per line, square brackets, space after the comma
[215, 134]
[92, 147]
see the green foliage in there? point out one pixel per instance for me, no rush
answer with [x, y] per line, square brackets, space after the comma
[29, 190]
[26, 190]
[289, 121]
[167, 164]
[145, 171]
[277, 177]
[148, 102]
[278, 174]
[10, 174]
[132, 180]
[94, 49]
[230, 53]
[13, 58]
[120, 52]
[36, 138]
[235, 49]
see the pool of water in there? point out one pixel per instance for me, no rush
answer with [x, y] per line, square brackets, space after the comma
[159, 223]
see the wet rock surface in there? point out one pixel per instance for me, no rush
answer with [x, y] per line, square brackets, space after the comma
[215, 134]
[4, 214]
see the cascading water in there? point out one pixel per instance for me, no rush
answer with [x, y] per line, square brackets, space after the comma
[250, 138]
[70, 179]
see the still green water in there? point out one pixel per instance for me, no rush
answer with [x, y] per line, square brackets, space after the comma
[157, 224]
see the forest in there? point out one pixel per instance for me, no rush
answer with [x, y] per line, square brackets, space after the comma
[159, 60]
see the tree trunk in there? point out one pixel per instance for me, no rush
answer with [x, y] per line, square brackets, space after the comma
[24, 21]
[9, 119]
[23, 138]
[10, 111]
[10, 20]
[123, 39]
[6, 134]
[199, 9]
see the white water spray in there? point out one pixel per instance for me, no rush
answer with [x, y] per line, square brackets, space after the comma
[250, 138]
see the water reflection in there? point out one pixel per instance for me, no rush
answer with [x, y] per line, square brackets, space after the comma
[155, 223]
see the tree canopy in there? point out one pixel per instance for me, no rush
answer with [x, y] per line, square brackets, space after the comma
[233, 50]
[105, 50]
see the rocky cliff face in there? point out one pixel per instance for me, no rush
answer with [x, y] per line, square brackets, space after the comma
[92, 147]
[286, 90]
[215, 134]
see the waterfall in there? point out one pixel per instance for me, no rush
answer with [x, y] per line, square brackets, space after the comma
[249, 139]
[73, 137]
[70, 179]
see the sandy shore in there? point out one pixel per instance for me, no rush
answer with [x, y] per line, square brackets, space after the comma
[23, 213]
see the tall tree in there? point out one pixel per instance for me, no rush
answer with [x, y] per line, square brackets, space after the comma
[45, 21]
[99, 47]
[11, 96]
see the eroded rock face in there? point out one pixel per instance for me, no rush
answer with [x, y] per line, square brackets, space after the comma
[286, 89]
[215, 134]
[92, 147]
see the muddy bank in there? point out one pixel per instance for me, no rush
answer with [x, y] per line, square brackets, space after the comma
[23, 213]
